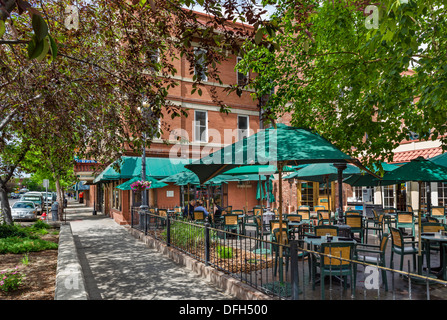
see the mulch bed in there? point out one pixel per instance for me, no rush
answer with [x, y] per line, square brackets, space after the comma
[40, 273]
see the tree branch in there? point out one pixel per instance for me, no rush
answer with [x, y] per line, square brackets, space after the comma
[8, 118]
[13, 41]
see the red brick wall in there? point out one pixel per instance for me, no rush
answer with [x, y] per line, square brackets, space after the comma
[163, 201]
[237, 198]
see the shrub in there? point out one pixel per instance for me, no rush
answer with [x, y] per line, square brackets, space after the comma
[10, 280]
[225, 252]
[39, 224]
[24, 245]
[14, 230]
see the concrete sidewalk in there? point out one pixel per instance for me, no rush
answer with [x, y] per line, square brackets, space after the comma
[116, 266]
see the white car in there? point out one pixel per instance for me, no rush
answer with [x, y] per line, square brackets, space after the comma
[35, 197]
[24, 210]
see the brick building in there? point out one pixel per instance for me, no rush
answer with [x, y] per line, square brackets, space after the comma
[205, 129]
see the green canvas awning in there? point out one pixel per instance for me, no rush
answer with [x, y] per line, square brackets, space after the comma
[155, 183]
[189, 177]
[130, 167]
[258, 170]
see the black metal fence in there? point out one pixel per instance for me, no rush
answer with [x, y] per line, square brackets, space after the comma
[291, 271]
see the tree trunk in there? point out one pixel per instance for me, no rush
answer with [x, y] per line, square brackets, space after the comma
[60, 198]
[6, 209]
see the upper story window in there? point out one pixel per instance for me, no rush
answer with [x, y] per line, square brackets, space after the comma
[242, 78]
[200, 126]
[152, 59]
[200, 67]
[242, 126]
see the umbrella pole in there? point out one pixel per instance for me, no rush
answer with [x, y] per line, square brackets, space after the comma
[267, 191]
[327, 193]
[419, 233]
[246, 202]
[280, 166]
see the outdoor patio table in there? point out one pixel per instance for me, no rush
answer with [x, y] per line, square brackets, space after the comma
[318, 240]
[434, 237]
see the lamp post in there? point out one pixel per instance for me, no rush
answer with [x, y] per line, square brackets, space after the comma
[144, 203]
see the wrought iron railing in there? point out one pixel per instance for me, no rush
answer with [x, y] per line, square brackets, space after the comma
[281, 271]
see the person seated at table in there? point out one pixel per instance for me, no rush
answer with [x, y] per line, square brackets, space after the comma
[188, 211]
[200, 207]
[217, 210]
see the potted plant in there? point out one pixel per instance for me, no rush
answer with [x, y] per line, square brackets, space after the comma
[140, 185]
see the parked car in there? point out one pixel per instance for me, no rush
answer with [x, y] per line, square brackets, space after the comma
[48, 197]
[35, 197]
[24, 210]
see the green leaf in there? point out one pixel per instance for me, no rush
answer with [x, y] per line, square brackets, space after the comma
[39, 26]
[46, 48]
[35, 48]
[53, 46]
[259, 35]
[2, 28]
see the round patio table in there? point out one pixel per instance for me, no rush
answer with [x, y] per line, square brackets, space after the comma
[435, 237]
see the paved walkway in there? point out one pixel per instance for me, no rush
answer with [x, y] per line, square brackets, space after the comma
[117, 266]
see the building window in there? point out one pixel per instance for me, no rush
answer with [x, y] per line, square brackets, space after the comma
[116, 196]
[307, 194]
[200, 126]
[153, 58]
[242, 78]
[242, 127]
[388, 196]
[442, 194]
[358, 193]
[200, 67]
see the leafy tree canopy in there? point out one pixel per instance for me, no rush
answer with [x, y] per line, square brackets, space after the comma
[364, 75]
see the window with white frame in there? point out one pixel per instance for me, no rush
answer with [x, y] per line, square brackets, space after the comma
[388, 196]
[358, 193]
[442, 194]
[242, 127]
[242, 78]
[200, 126]
[153, 58]
[200, 67]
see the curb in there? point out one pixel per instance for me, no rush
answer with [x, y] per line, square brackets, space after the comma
[225, 282]
[70, 283]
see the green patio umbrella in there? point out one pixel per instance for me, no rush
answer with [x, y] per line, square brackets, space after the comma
[419, 170]
[440, 159]
[280, 146]
[155, 183]
[322, 172]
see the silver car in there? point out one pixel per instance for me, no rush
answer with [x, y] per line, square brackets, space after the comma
[24, 210]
